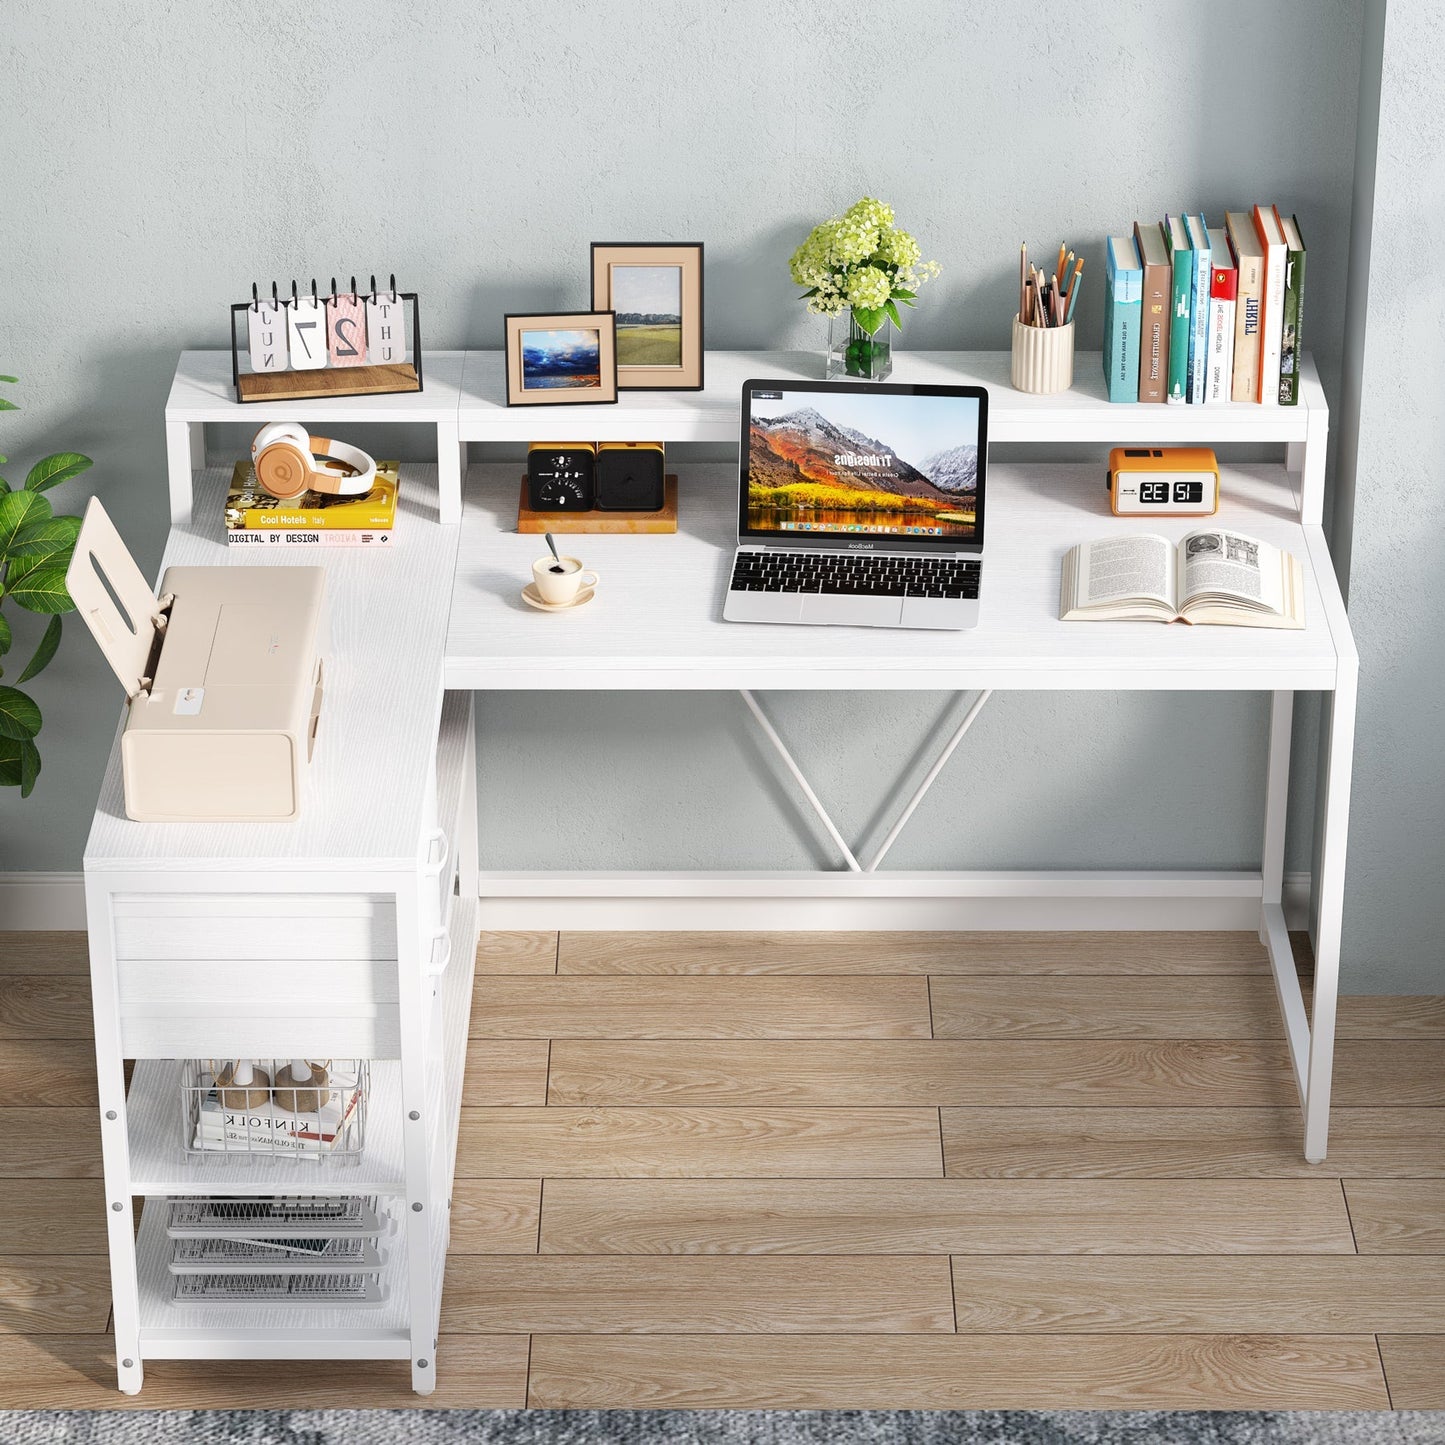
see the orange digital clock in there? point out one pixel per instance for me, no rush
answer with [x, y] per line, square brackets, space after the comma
[1163, 482]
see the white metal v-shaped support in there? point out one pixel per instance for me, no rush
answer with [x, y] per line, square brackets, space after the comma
[814, 802]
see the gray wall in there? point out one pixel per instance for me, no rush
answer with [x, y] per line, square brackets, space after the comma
[1393, 492]
[151, 175]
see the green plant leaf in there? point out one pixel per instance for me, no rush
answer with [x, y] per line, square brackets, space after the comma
[6, 636]
[9, 378]
[19, 764]
[19, 717]
[901, 295]
[42, 589]
[870, 318]
[7, 405]
[893, 315]
[44, 652]
[52, 470]
[52, 537]
[17, 509]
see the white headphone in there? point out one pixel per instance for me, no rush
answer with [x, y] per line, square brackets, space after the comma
[284, 459]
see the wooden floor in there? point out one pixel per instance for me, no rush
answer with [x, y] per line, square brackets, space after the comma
[852, 1170]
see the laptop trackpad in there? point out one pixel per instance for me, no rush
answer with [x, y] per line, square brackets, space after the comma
[852, 611]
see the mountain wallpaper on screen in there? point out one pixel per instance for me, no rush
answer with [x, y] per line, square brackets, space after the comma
[802, 460]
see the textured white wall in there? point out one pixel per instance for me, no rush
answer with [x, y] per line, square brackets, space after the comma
[1393, 453]
[159, 157]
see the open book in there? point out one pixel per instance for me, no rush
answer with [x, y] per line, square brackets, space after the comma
[1213, 576]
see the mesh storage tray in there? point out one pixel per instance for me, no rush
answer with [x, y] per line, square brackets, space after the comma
[276, 1218]
[349, 1254]
[348, 1290]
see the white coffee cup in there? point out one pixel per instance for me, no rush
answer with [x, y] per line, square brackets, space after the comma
[560, 582]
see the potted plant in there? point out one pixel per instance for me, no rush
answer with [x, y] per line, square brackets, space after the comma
[35, 550]
[859, 268]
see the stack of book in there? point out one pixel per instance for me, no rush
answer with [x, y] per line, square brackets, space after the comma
[254, 518]
[1195, 313]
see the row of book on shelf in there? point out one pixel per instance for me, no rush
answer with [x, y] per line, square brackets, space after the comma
[1197, 314]
[254, 518]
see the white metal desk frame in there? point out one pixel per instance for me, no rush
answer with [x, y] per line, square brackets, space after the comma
[1078, 417]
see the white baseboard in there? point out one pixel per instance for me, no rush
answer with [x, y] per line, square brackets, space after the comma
[32, 901]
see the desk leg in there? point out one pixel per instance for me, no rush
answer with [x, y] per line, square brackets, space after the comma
[185, 453]
[114, 1136]
[1330, 886]
[451, 469]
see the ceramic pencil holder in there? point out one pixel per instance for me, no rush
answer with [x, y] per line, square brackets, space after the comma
[1043, 358]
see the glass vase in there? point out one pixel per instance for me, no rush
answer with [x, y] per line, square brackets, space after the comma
[853, 353]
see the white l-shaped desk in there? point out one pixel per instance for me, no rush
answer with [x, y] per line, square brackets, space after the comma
[353, 913]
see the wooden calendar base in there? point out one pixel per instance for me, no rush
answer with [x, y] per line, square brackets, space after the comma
[329, 381]
[637, 523]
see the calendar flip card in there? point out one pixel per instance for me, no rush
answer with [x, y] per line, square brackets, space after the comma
[306, 333]
[346, 330]
[266, 332]
[385, 329]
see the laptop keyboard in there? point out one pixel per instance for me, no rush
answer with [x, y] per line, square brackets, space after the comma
[855, 574]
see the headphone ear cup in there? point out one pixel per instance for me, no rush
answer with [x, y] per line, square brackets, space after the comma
[280, 431]
[283, 469]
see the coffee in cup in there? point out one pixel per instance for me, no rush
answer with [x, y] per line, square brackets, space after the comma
[558, 581]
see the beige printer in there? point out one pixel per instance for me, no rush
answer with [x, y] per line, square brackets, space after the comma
[223, 675]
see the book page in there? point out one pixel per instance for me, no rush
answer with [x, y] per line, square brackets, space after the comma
[1229, 567]
[1113, 569]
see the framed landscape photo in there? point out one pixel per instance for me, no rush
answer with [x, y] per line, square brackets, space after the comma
[654, 288]
[561, 358]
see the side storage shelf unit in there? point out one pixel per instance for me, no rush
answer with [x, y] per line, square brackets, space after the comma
[262, 1253]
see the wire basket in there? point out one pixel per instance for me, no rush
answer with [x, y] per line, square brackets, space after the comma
[270, 1116]
[272, 1218]
[289, 1289]
[346, 1254]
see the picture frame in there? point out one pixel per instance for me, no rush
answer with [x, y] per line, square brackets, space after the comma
[560, 358]
[655, 289]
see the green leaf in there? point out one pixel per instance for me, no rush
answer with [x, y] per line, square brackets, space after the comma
[9, 378]
[52, 470]
[19, 764]
[42, 589]
[870, 318]
[893, 315]
[899, 294]
[7, 405]
[17, 509]
[6, 636]
[44, 652]
[19, 717]
[52, 537]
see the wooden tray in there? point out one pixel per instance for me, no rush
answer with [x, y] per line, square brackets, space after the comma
[636, 523]
[377, 380]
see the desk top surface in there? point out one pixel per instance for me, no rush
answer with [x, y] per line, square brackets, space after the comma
[365, 791]
[657, 622]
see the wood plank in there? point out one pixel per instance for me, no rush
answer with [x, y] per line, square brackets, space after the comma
[1415, 1369]
[53, 1293]
[29, 1209]
[516, 952]
[1410, 1072]
[1165, 954]
[1224, 1294]
[54, 1007]
[1397, 1216]
[44, 1072]
[701, 1008]
[50, 1144]
[920, 1072]
[632, 524]
[1187, 1143]
[951, 1372]
[1234, 1007]
[1385, 1016]
[905, 1294]
[755, 1143]
[495, 1216]
[501, 1071]
[44, 953]
[77, 1372]
[948, 1216]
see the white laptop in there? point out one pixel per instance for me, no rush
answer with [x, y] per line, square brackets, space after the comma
[860, 504]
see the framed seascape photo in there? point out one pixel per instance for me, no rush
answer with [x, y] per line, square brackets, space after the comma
[561, 358]
[654, 288]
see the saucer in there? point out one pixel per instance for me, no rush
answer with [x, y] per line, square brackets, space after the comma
[533, 598]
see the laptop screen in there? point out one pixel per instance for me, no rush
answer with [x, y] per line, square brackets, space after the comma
[853, 460]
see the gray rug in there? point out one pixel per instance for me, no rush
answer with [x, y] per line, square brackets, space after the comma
[718, 1427]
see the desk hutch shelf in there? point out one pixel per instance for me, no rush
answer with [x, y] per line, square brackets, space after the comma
[197, 931]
